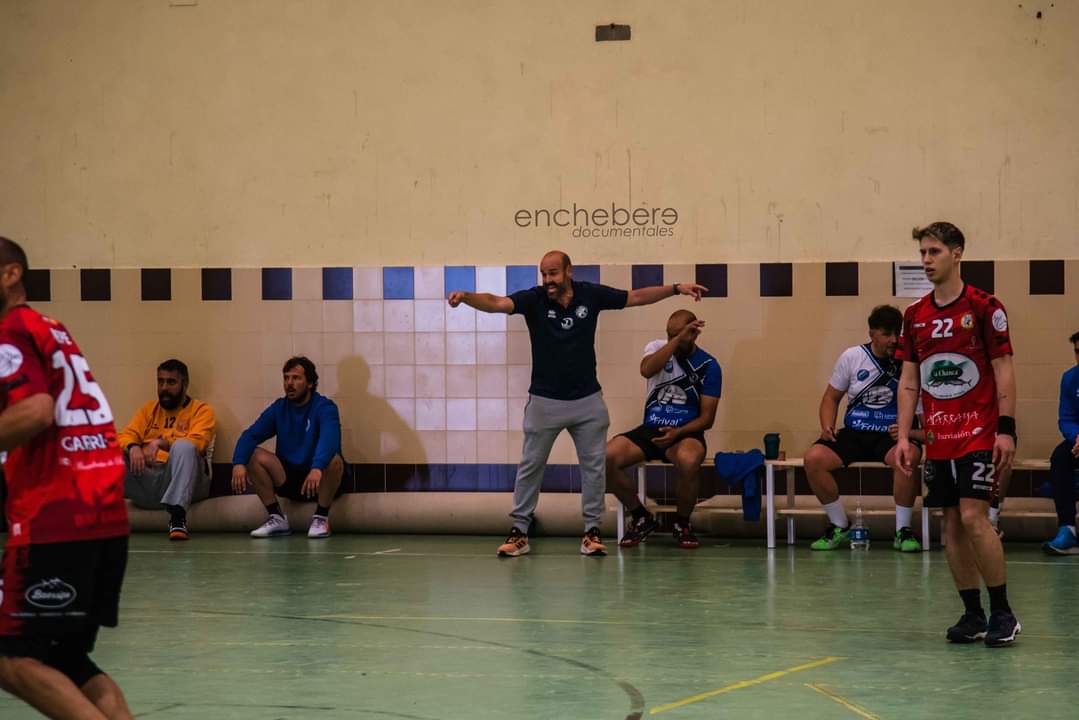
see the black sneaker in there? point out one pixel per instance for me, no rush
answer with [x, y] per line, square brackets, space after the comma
[638, 530]
[178, 530]
[684, 537]
[1003, 627]
[970, 628]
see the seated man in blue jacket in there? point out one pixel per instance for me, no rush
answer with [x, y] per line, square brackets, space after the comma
[1065, 461]
[307, 462]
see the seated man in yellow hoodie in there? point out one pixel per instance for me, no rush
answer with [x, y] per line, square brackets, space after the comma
[165, 449]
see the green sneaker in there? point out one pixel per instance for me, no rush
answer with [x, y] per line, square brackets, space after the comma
[833, 537]
[906, 542]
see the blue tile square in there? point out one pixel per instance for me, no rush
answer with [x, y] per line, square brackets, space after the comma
[777, 280]
[647, 276]
[156, 284]
[459, 277]
[521, 277]
[398, 283]
[336, 283]
[586, 273]
[38, 285]
[216, 284]
[713, 277]
[496, 478]
[95, 284]
[462, 477]
[276, 283]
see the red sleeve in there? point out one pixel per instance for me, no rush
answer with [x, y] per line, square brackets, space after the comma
[21, 373]
[905, 351]
[995, 334]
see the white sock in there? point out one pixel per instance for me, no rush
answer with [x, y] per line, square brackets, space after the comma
[994, 515]
[1072, 528]
[903, 517]
[836, 514]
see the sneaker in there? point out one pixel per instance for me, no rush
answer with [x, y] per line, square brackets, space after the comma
[834, 536]
[274, 525]
[970, 628]
[320, 527]
[178, 530]
[906, 542]
[1003, 627]
[684, 537]
[1065, 543]
[592, 543]
[516, 544]
[638, 530]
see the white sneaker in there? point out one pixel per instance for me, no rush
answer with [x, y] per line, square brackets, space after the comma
[275, 525]
[320, 527]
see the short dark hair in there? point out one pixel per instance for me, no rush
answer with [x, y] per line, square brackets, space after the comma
[309, 371]
[886, 317]
[945, 232]
[1074, 338]
[176, 366]
[12, 252]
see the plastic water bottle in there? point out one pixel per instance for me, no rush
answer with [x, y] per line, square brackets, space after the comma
[859, 533]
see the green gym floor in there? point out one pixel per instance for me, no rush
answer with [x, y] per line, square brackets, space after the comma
[422, 627]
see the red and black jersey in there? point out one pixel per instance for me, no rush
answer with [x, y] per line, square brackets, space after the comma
[67, 482]
[955, 346]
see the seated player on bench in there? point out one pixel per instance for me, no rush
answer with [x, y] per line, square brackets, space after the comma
[868, 375]
[684, 384]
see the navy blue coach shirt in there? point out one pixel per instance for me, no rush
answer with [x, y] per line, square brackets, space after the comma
[564, 339]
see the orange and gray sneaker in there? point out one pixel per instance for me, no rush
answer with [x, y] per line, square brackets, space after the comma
[516, 544]
[592, 543]
[178, 530]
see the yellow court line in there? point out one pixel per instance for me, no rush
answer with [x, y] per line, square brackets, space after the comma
[742, 684]
[844, 702]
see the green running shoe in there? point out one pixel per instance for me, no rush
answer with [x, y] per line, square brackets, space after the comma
[906, 542]
[834, 536]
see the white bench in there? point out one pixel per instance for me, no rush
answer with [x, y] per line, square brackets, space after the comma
[791, 511]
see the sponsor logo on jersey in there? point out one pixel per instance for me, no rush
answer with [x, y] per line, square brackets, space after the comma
[940, 417]
[581, 312]
[862, 374]
[51, 593]
[551, 315]
[567, 323]
[967, 322]
[1000, 320]
[878, 397]
[81, 443]
[671, 395]
[949, 375]
[10, 360]
[669, 367]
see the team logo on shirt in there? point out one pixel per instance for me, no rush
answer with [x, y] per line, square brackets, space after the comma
[567, 323]
[862, 374]
[51, 593]
[879, 397]
[10, 360]
[949, 375]
[1000, 320]
[581, 312]
[967, 322]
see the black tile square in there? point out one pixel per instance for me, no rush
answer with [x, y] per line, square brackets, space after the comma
[336, 283]
[646, 276]
[156, 284]
[777, 280]
[841, 279]
[713, 277]
[369, 477]
[978, 273]
[216, 284]
[95, 285]
[38, 284]
[1046, 277]
[276, 283]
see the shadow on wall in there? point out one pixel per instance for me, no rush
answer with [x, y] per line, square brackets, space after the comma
[371, 430]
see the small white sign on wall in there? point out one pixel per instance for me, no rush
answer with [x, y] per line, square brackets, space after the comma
[910, 280]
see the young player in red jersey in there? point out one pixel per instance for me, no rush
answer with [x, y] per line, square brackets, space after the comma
[67, 525]
[956, 350]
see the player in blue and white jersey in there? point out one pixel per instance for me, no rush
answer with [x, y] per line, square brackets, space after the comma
[868, 375]
[684, 384]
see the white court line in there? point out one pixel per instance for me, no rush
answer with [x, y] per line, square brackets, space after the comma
[387, 552]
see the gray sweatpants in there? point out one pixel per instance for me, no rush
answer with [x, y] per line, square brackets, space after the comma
[180, 481]
[587, 422]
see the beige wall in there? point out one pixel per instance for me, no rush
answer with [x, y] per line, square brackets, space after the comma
[418, 382]
[287, 132]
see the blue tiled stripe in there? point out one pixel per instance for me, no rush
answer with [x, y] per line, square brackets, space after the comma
[398, 283]
[520, 277]
[276, 283]
[336, 283]
[586, 273]
[647, 276]
[460, 277]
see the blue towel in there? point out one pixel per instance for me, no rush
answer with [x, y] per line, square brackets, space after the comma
[743, 471]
